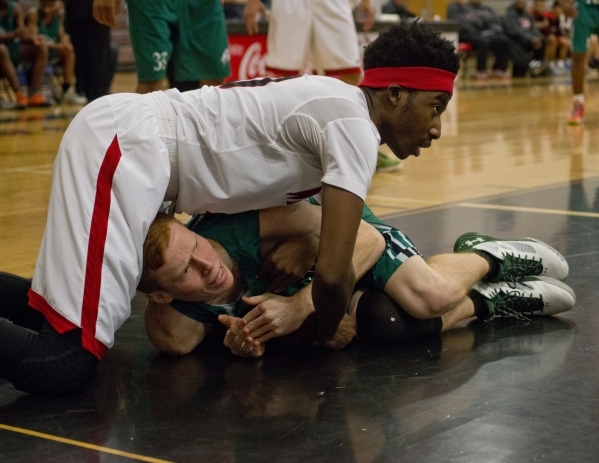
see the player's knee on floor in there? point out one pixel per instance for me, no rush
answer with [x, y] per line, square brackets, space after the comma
[55, 366]
[66, 377]
[15, 343]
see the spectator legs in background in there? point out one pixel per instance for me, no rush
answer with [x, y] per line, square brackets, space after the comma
[94, 67]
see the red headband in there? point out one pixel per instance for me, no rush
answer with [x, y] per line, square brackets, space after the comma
[415, 77]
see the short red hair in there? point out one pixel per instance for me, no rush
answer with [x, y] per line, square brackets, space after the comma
[155, 245]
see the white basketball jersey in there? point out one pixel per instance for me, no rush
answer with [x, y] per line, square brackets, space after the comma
[270, 142]
[239, 148]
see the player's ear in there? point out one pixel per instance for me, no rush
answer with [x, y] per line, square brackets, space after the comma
[394, 94]
[159, 297]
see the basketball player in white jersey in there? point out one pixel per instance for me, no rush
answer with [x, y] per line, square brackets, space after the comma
[246, 145]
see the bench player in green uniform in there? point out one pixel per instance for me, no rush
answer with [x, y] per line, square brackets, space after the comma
[191, 35]
[18, 45]
[46, 21]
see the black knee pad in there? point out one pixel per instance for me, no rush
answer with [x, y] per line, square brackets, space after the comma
[15, 343]
[380, 320]
[56, 366]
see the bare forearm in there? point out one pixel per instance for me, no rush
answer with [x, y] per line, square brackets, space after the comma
[334, 274]
[331, 298]
[369, 247]
[172, 332]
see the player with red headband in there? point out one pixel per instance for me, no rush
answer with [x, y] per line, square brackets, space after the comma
[242, 146]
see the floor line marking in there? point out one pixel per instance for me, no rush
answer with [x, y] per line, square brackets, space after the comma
[400, 201]
[81, 444]
[537, 210]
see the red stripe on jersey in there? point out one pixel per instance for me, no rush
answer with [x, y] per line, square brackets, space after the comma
[96, 245]
[59, 323]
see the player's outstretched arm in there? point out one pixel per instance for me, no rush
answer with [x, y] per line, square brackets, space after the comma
[334, 274]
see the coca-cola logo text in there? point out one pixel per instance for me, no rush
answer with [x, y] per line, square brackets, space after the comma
[253, 63]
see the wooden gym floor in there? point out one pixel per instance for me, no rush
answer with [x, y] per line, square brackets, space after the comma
[503, 391]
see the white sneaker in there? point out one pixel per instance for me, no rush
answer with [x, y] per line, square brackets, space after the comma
[531, 296]
[72, 97]
[517, 258]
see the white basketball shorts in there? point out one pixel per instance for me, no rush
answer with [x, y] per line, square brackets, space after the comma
[320, 32]
[109, 180]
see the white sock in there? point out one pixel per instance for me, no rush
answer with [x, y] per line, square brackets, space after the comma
[579, 98]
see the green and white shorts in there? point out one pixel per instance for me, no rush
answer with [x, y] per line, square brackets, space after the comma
[585, 24]
[190, 33]
[398, 249]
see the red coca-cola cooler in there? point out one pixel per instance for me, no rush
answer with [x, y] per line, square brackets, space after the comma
[248, 56]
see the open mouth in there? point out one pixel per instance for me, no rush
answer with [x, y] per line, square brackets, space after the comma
[425, 144]
[219, 276]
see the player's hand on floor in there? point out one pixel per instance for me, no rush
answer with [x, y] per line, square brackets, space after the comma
[237, 337]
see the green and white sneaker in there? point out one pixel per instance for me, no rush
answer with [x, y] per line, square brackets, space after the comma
[516, 258]
[531, 296]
